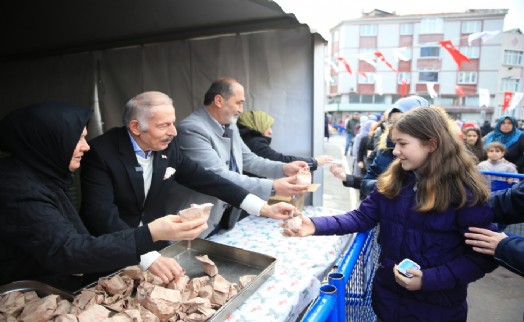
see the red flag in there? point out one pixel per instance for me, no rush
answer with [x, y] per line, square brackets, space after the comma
[507, 99]
[383, 59]
[457, 55]
[459, 90]
[403, 88]
[343, 60]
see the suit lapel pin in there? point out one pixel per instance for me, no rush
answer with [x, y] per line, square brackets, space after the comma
[164, 156]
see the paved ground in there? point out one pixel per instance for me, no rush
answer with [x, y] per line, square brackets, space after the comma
[499, 296]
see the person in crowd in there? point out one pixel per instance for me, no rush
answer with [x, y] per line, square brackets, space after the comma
[425, 202]
[255, 128]
[473, 141]
[132, 173]
[485, 128]
[210, 137]
[42, 237]
[497, 163]
[351, 127]
[507, 132]
[360, 146]
[508, 206]
[384, 150]
[384, 155]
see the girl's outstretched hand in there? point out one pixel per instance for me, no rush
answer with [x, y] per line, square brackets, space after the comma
[307, 228]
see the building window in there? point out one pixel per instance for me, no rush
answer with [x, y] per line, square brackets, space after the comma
[467, 77]
[354, 98]
[510, 85]
[512, 57]
[401, 76]
[368, 30]
[406, 29]
[429, 52]
[366, 99]
[431, 26]
[470, 52]
[428, 76]
[470, 27]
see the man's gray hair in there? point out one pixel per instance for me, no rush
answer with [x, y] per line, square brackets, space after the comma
[139, 108]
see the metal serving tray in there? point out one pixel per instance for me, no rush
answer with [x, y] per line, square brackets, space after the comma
[40, 288]
[231, 262]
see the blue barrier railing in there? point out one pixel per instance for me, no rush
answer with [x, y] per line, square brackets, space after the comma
[352, 282]
[496, 185]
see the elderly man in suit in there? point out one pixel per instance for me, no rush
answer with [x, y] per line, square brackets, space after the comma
[128, 175]
[210, 137]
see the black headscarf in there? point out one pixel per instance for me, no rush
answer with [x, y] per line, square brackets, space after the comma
[43, 137]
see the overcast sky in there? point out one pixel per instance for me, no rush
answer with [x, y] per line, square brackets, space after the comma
[321, 15]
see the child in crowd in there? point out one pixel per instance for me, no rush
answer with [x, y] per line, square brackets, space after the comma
[497, 163]
[425, 202]
[473, 141]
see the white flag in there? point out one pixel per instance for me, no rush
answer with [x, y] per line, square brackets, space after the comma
[332, 64]
[327, 76]
[398, 53]
[431, 90]
[368, 58]
[515, 100]
[378, 84]
[484, 99]
[484, 35]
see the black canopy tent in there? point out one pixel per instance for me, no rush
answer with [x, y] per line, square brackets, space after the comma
[101, 53]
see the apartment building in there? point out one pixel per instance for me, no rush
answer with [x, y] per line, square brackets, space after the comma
[380, 57]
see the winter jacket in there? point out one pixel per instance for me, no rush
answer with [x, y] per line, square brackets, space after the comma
[433, 240]
[41, 235]
[380, 163]
[508, 206]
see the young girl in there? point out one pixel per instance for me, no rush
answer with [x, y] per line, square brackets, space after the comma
[424, 202]
[473, 141]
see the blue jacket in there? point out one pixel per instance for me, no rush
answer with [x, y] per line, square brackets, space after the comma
[434, 240]
[380, 163]
[508, 206]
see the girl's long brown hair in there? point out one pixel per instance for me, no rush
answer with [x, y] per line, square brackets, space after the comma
[448, 177]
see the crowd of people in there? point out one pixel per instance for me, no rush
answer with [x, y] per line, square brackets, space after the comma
[417, 171]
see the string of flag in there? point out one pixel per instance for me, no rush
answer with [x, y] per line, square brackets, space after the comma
[511, 100]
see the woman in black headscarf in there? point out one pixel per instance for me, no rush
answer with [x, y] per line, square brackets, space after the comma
[41, 235]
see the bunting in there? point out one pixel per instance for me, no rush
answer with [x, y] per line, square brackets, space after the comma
[343, 60]
[455, 53]
[459, 90]
[484, 35]
[398, 53]
[431, 90]
[484, 97]
[507, 99]
[332, 64]
[517, 97]
[379, 55]
[365, 57]
[404, 87]
[378, 84]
